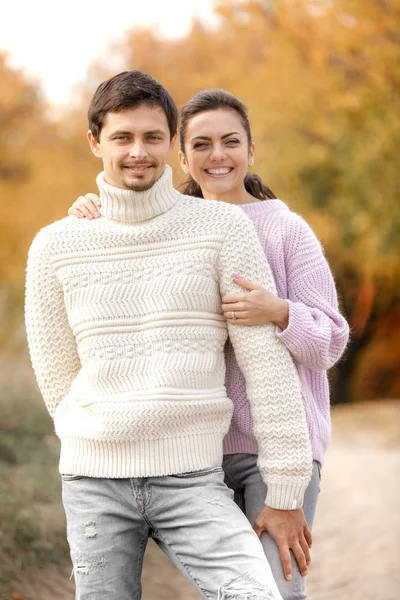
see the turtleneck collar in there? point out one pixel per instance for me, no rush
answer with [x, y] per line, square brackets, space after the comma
[133, 207]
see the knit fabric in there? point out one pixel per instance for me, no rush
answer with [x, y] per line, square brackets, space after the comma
[316, 335]
[126, 336]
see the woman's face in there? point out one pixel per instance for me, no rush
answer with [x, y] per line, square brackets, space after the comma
[217, 153]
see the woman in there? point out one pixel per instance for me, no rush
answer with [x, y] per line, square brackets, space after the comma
[216, 150]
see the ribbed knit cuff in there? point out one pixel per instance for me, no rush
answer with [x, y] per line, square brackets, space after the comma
[285, 496]
[294, 332]
[238, 442]
[300, 344]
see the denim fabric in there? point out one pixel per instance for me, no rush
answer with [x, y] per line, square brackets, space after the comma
[192, 517]
[243, 477]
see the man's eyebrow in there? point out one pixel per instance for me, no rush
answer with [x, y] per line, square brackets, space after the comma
[205, 137]
[123, 132]
[119, 132]
[159, 131]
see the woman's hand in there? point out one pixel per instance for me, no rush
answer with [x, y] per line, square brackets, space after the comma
[86, 207]
[256, 306]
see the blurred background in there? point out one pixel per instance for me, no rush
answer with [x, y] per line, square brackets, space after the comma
[322, 82]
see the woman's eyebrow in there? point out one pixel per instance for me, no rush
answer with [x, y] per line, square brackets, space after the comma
[205, 137]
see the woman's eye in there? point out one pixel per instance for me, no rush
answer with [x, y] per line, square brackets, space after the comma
[199, 145]
[232, 142]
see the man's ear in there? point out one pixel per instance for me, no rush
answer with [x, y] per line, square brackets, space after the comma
[184, 162]
[94, 144]
[172, 142]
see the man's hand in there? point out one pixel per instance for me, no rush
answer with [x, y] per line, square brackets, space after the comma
[290, 531]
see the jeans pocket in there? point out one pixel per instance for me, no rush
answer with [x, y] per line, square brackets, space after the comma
[201, 473]
[227, 460]
[72, 477]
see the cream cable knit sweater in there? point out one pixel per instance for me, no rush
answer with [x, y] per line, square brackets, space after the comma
[126, 337]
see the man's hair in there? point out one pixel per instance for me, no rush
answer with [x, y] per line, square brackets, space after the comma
[130, 89]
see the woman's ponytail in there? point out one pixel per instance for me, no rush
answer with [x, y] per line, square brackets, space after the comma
[191, 188]
[257, 188]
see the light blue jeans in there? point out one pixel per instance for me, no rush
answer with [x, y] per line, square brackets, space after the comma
[243, 476]
[192, 517]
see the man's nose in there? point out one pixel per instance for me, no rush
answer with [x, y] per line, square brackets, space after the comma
[138, 150]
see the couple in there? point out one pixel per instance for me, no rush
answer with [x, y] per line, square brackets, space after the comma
[127, 335]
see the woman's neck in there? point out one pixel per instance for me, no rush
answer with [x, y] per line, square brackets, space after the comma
[235, 196]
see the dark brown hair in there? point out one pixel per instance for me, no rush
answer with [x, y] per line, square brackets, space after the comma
[213, 100]
[129, 90]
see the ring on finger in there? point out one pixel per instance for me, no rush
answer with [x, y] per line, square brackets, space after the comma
[233, 316]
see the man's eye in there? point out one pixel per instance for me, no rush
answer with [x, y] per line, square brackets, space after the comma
[154, 138]
[121, 138]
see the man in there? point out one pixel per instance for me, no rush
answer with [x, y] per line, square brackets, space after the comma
[126, 337]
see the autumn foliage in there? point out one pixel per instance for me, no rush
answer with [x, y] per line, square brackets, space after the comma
[322, 81]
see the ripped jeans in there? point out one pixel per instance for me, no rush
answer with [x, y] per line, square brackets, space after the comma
[191, 516]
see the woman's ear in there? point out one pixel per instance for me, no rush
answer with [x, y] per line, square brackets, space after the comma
[184, 162]
[251, 154]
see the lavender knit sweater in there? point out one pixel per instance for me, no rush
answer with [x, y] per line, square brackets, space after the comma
[316, 335]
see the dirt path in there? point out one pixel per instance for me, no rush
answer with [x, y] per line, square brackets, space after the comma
[356, 534]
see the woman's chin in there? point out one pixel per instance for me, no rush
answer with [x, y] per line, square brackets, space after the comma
[217, 188]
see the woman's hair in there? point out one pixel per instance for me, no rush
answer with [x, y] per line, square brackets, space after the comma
[214, 100]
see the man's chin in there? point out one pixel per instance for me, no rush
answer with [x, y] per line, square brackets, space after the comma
[139, 186]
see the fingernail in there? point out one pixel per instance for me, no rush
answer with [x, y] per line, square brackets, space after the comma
[97, 214]
[98, 203]
[289, 577]
[237, 276]
[89, 216]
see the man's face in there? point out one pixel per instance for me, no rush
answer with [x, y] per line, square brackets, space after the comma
[134, 147]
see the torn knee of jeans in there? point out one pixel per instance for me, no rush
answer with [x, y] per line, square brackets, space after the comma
[85, 566]
[245, 588]
[90, 529]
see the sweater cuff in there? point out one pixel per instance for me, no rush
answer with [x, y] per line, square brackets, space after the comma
[285, 496]
[294, 332]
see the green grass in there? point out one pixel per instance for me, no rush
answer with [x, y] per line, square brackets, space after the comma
[32, 526]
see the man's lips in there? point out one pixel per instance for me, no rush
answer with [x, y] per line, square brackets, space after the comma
[139, 169]
[219, 172]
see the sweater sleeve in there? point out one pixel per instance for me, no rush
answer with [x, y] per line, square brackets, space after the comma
[316, 334]
[51, 342]
[272, 382]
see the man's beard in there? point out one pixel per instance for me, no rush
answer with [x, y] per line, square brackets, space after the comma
[140, 186]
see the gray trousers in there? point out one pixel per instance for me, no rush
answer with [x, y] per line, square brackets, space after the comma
[192, 517]
[243, 477]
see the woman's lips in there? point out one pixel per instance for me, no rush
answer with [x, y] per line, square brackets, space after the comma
[219, 172]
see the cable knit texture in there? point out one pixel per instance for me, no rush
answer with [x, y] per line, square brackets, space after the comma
[127, 338]
[316, 335]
